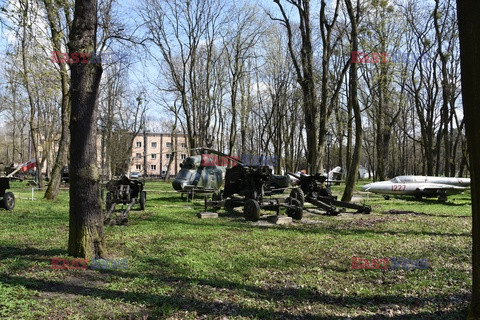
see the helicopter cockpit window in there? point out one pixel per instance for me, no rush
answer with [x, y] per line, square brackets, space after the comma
[188, 164]
[183, 174]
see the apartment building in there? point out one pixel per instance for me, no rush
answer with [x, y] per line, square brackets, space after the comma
[157, 149]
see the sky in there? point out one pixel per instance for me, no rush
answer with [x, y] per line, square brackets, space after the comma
[143, 70]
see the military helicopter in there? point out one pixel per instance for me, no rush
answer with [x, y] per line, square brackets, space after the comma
[205, 173]
[202, 173]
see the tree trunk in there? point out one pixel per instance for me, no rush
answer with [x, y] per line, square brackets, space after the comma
[306, 79]
[174, 147]
[86, 220]
[348, 147]
[380, 145]
[34, 126]
[469, 24]
[56, 175]
[352, 172]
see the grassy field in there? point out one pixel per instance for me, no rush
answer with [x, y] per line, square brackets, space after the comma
[182, 267]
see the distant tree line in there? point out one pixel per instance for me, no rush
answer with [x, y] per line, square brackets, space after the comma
[249, 78]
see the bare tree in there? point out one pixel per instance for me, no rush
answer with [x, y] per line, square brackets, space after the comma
[238, 45]
[53, 10]
[352, 170]
[421, 86]
[17, 116]
[383, 78]
[304, 67]
[181, 30]
[36, 79]
[444, 19]
[122, 115]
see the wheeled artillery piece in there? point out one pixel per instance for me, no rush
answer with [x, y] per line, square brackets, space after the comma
[123, 191]
[248, 187]
[7, 198]
[312, 189]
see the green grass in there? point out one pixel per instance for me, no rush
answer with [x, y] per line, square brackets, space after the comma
[182, 267]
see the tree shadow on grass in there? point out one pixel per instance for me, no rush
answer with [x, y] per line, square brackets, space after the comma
[29, 253]
[166, 271]
[405, 212]
[168, 198]
[159, 304]
[235, 223]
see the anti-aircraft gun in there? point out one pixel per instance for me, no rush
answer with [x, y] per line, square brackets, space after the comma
[123, 191]
[7, 199]
[312, 189]
[248, 186]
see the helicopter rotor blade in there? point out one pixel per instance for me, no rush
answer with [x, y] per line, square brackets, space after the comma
[204, 149]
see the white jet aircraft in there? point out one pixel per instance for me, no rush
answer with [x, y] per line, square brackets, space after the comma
[420, 186]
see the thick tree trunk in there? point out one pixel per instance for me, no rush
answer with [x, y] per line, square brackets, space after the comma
[469, 24]
[86, 221]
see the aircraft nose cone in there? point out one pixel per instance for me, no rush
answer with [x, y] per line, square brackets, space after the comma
[366, 187]
[178, 184]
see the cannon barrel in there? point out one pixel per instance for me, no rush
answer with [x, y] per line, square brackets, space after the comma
[294, 175]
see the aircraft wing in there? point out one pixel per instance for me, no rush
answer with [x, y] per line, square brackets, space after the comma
[441, 189]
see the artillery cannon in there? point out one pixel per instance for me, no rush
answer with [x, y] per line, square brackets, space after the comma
[312, 189]
[7, 198]
[123, 191]
[248, 186]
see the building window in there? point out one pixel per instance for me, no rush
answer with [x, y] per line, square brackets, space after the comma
[184, 145]
[138, 167]
[154, 145]
[154, 156]
[169, 144]
[139, 144]
[184, 156]
[138, 155]
[153, 167]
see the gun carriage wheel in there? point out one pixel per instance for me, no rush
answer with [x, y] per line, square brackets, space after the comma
[251, 210]
[8, 201]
